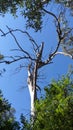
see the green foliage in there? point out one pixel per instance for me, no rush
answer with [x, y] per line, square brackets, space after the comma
[10, 6]
[55, 110]
[33, 12]
[7, 120]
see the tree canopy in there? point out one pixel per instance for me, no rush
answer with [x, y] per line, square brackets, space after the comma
[55, 109]
[10, 6]
[33, 11]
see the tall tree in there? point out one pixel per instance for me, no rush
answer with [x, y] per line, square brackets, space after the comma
[34, 12]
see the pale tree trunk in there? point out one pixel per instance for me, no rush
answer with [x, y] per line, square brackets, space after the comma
[32, 77]
[32, 95]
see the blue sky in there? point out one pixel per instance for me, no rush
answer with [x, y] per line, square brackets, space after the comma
[14, 84]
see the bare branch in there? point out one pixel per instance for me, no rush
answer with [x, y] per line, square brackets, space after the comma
[66, 52]
[35, 45]
[17, 41]
[31, 39]
[10, 31]
[61, 37]
[58, 23]
[18, 59]
[59, 32]
[63, 53]
[15, 50]
[39, 54]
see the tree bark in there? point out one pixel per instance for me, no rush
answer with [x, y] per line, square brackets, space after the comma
[32, 77]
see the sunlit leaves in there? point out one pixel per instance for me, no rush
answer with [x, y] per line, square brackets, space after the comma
[55, 110]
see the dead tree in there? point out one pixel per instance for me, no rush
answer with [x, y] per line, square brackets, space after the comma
[37, 62]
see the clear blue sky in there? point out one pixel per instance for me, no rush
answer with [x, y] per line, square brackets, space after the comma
[14, 84]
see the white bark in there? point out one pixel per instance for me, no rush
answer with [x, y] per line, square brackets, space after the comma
[32, 104]
[32, 94]
[32, 78]
[63, 53]
[31, 91]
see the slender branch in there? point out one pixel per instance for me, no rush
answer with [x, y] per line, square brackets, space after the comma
[55, 17]
[31, 39]
[59, 32]
[35, 45]
[63, 53]
[17, 41]
[15, 50]
[14, 60]
[50, 13]
[24, 32]
[10, 31]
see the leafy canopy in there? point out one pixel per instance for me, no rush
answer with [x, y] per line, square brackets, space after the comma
[10, 6]
[32, 10]
[55, 110]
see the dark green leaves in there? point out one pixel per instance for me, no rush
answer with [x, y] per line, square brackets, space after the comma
[7, 119]
[10, 6]
[33, 13]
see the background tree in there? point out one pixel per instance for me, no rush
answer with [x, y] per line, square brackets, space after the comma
[7, 119]
[55, 109]
[67, 3]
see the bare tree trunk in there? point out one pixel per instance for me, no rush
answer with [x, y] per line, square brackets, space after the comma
[32, 77]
